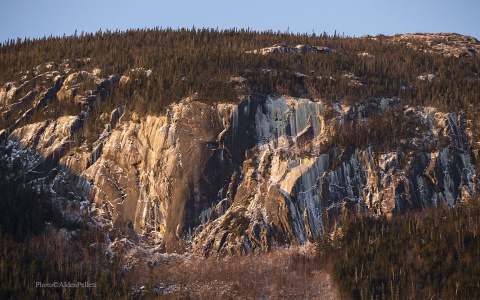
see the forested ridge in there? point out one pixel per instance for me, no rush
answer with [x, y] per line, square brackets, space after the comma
[188, 61]
[421, 254]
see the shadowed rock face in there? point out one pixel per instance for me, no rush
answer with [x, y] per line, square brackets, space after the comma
[286, 189]
[236, 177]
[306, 135]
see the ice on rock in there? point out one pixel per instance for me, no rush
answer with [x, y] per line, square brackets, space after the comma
[199, 166]
[281, 116]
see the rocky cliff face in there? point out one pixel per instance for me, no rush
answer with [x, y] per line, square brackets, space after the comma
[250, 175]
[236, 179]
[288, 188]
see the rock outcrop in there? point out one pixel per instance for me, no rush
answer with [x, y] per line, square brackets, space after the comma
[285, 193]
[301, 49]
[251, 176]
[448, 44]
[229, 178]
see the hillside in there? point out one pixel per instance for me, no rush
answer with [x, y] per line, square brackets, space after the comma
[222, 143]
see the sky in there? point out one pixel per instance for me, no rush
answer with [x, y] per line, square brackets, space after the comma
[36, 19]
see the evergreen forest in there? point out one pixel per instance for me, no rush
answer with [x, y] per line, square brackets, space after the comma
[428, 254]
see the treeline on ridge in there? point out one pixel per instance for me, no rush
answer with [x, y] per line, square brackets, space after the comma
[187, 61]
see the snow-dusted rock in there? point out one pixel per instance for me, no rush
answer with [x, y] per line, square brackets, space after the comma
[233, 177]
[448, 44]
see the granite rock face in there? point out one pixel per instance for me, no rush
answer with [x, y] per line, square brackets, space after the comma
[288, 188]
[160, 174]
[228, 178]
[251, 176]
